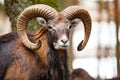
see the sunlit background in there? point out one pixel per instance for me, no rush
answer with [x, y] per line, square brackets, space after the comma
[101, 56]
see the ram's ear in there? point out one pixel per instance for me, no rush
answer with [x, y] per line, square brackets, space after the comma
[41, 21]
[75, 22]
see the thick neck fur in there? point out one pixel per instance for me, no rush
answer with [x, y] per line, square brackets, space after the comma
[21, 63]
[56, 60]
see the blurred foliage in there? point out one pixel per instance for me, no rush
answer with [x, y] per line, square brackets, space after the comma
[1, 8]
[14, 7]
[52, 3]
[65, 3]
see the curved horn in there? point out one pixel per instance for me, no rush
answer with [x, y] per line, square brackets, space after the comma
[38, 10]
[76, 12]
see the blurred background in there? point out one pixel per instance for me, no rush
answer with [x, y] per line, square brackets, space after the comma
[101, 56]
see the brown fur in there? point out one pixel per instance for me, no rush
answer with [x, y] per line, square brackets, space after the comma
[80, 74]
[26, 64]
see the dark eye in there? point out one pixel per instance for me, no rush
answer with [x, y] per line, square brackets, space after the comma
[69, 27]
[51, 29]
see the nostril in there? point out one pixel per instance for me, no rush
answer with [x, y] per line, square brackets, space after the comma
[64, 41]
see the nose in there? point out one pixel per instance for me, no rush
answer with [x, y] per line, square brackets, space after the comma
[64, 41]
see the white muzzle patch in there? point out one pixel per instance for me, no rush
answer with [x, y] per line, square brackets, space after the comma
[62, 43]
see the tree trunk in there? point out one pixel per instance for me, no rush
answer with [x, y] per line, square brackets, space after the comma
[14, 7]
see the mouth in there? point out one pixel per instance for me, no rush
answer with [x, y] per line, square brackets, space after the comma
[64, 46]
[57, 46]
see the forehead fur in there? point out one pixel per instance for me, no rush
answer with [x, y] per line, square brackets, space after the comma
[60, 19]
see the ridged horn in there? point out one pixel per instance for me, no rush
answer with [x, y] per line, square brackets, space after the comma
[73, 12]
[38, 10]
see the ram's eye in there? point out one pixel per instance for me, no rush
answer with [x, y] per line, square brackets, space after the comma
[69, 26]
[51, 28]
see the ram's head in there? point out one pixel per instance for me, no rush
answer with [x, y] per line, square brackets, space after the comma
[58, 24]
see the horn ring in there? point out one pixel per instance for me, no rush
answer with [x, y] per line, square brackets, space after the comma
[73, 12]
[39, 10]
